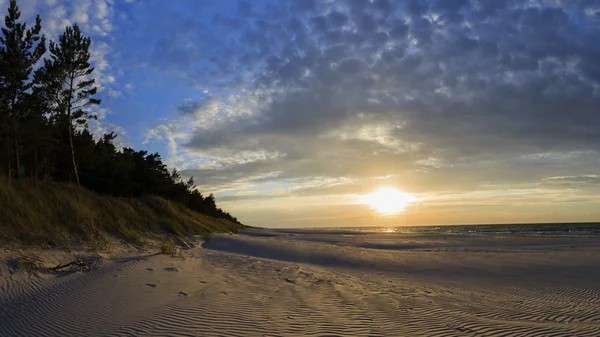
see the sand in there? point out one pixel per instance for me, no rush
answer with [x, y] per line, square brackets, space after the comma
[316, 283]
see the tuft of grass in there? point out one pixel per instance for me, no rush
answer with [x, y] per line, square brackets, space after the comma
[30, 264]
[98, 242]
[167, 247]
[207, 236]
[63, 238]
[131, 235]
[59, 214]
[179, 254]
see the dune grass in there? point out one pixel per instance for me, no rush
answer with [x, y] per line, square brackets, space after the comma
[57, 214]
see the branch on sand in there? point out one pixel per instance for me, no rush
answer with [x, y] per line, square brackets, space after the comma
[77, 264]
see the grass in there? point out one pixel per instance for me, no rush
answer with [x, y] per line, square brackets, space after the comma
[98, 243]
[59, 214]
[167, 247]
[207, 236]
[29, 264]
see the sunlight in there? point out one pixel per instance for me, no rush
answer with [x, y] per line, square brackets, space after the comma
[388, 200]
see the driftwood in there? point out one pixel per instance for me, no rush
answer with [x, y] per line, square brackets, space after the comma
[82, 266]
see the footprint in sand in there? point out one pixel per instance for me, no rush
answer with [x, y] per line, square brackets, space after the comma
[151, 285]
[182, 293]
[149, 269]
[171, 269]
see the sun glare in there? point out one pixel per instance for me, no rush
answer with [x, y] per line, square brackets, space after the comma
[388, 200]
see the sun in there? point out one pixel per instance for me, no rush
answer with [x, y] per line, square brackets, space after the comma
[388, 200]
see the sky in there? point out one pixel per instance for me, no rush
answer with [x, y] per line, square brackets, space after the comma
[484, 111]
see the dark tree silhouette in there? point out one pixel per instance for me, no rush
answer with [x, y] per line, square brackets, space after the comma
[68, 82]
[20, 49]
[43, 122]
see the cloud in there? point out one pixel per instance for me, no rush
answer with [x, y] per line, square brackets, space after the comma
[443, 94]
[313, 100]
[437, 96]
[584, 181]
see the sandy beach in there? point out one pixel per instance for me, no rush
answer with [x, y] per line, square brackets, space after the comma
[318, 283]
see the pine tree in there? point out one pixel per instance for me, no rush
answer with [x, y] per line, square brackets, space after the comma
[68, 85]
[20, 49]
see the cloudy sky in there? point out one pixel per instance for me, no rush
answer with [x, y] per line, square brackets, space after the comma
[487, 111]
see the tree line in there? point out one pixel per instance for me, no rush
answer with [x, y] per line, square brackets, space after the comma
[46, 91]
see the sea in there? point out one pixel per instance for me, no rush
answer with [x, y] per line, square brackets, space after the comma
[540, 229]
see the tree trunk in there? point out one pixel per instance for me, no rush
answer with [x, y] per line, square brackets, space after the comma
[8, 158]
[70, 121]
[34, 174]
[18, 172]
[73, 154]
[15, 129]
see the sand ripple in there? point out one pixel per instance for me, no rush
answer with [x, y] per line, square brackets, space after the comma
[222, 291]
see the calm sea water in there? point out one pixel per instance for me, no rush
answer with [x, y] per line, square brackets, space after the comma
[554, 229]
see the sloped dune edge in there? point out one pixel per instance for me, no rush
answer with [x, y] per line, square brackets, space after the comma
[282, 285]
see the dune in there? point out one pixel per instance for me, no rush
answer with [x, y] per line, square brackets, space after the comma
[318, 283]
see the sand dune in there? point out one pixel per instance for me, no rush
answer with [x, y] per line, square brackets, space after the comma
[303, 283]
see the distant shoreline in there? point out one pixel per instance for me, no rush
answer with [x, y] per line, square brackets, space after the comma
[437, 225]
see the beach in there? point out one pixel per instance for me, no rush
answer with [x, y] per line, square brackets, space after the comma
[318, 283]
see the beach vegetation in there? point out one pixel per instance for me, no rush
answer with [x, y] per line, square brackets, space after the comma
[207, 236]
[60, 214]
[167, 246]
[29, 263]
